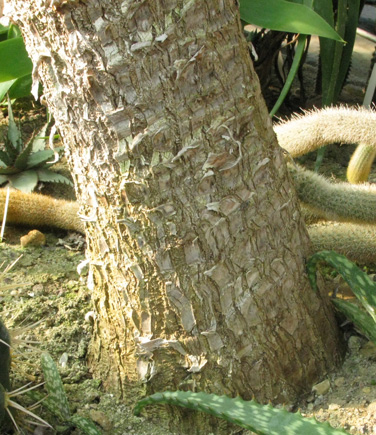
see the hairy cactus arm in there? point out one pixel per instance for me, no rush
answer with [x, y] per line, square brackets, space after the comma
[261, 419]
[37, 210]
[317, 128]
[334, 201]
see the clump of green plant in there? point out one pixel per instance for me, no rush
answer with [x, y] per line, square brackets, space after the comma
[261, 419]
[56, 401]
[361, 284]
[23, 166]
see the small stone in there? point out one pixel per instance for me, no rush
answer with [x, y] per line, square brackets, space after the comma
[368, 350]
[372, 408]
[366, 390]
[33, 238]
[339, 381]
[322, 387]
[354, 344]
[333, 406]
[101, 418]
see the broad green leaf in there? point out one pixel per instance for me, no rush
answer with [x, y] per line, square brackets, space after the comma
[25, 181]
[4, 88]
[20, 88]
[48, 176]
[286, 17]
[15, 62]
[14, 32]
[39, 158]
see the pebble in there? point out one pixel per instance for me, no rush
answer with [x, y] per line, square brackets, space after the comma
[339, 381]
[33, 238]
[322, 387]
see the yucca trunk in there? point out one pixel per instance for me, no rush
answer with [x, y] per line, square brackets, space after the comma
[196, 245]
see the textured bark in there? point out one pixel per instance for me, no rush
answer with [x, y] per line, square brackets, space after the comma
[195, 240]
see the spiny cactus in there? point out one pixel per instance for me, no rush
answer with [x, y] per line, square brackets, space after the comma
[317, 128]
[334, 201]
[342, 202]
[360, 164]
[261, 419]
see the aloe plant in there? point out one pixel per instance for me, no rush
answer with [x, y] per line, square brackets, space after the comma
[57, 402]
[360, 283]
[23, 166]
[261, 419]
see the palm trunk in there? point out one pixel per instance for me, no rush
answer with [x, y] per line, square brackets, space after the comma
[196, 246]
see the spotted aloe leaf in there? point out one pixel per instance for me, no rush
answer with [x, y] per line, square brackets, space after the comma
[261, 419]
[85, 425]
[56, 394]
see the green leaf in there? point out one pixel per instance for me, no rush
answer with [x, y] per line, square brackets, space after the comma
[8, 171]
[15, 62]
[4, 88]
[3, 179]
[21, 87]
[48, 176]
[290, 78]
[55, 387]
[25, 181]
[22, 159]
[359, 318]
[39, 158]
[286, 17]
[261, 419]
[39, 142]
[360, 283]
[5, 158]
[14, 134]
[85, 425]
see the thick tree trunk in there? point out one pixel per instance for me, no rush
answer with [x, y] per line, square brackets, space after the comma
[195, 241]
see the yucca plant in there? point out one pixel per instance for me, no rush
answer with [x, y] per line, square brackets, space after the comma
[23, 166]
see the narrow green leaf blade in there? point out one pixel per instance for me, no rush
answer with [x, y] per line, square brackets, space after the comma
[292, 73]
[359, 318]
[54, 386]
[21, 161]
[286, 17]
[15, 61]
[87, 426]
[39, 142]
[360, 283]
[14, 134]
